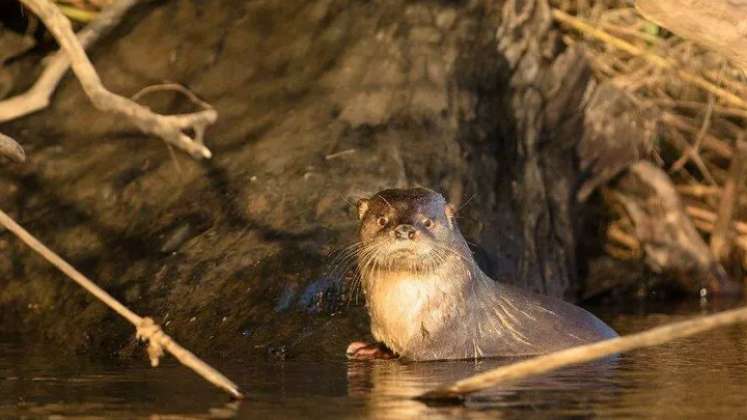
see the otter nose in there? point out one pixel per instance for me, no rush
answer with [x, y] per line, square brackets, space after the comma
[405, 232]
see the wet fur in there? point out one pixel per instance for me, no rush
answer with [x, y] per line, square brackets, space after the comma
[438, 304]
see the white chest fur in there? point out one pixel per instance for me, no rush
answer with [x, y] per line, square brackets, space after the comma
[406, 308]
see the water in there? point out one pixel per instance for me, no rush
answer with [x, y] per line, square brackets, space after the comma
[705, 375]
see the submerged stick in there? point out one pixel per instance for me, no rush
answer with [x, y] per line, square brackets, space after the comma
[581, 354]
[147, 330]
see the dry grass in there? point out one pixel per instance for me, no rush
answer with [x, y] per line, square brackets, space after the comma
[697, 93]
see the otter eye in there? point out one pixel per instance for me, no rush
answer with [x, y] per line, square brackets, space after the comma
[428, 223]
[382, 221]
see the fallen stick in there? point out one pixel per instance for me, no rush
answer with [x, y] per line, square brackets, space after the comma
[171, 128]
[146, 329]
[535, 366]
[39, 95]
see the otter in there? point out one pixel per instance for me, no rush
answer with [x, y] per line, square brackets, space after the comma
[428, 300]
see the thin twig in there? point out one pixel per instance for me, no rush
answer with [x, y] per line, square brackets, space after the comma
[680, 142]
[172, 87]
[712, 143]
[695, 149]
[147, 330]
[339, 154]
[581, 354]
[170, 128]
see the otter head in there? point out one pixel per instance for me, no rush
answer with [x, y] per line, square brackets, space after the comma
[408, 230]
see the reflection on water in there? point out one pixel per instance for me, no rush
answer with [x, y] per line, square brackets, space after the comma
[698, 376]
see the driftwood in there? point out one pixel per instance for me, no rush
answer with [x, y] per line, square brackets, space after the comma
[718, 24]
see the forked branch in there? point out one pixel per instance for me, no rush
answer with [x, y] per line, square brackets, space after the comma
[39, 95]
[170, 128]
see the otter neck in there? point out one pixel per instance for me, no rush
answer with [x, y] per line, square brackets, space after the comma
[402, 304]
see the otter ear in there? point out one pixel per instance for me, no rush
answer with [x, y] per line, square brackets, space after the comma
[362, 208]
[450, 214]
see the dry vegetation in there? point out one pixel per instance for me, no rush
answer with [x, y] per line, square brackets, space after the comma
[696, 94]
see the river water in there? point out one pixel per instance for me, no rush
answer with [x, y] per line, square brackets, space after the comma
[704, 375]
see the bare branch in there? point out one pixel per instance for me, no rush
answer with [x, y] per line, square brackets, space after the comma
[170, 128]
[39, 95]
